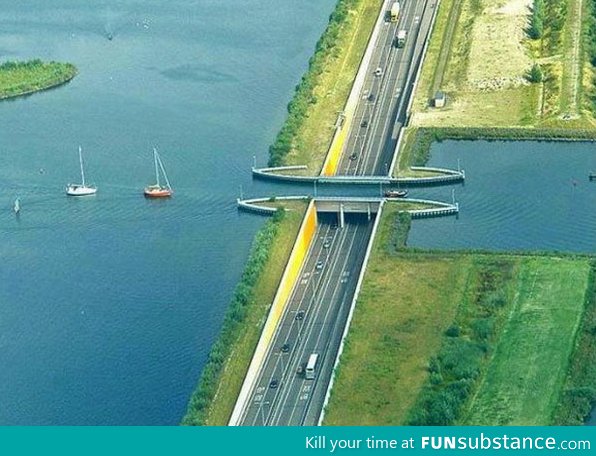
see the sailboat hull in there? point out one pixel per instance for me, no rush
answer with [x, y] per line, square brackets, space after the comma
[157, 192]
[80, 190]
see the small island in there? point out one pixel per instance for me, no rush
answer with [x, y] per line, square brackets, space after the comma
[23, 78]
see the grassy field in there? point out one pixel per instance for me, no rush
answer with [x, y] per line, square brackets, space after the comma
[217, 411]
[20, 78]
[405, 305]
[444, 338]
[482, 63]
[524, 380]
[332, 87]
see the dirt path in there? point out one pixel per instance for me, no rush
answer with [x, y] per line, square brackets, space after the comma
[572, 71]
[446, 45]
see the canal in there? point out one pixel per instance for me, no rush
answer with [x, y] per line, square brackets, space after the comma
[517, 196]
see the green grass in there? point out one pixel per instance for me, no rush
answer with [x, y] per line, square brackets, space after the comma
[333, 74]
[579, 395]
[406, 303]
[215, 397]
[20, 78]
[472, 338]
[523, 383]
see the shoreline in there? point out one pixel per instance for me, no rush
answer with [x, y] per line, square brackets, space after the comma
[69, 70]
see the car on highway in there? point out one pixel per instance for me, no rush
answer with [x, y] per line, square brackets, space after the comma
[353, 156]
[319, 264]
[300, 315]
[274, 383]
[371, 97]
[285, 348]
[379, 72]
[327, 244]
[364, 123]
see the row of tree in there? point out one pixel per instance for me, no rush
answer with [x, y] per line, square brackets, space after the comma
[243, 296]
[304, 95]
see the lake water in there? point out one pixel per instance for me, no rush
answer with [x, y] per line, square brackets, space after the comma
[109, 305]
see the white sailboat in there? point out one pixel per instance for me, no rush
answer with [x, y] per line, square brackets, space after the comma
[158, 190]
[81, 189]
[17, 206]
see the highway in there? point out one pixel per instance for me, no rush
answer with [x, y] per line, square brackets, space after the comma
[315, 316]
[383, 101]
[313, 322]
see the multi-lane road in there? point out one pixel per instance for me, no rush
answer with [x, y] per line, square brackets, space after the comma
[387, 88]
[313, 322]
[316, 315]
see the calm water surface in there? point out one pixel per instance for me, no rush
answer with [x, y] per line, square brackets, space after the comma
[517, 195]
[109, 305]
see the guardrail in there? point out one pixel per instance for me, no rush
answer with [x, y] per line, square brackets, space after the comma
[255, 204]
[439, 208]
[447, 176]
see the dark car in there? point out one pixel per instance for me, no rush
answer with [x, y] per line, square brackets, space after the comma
[354, 156]
[300, 315]
[285, 348]
[371, 97]
[274, 383]
[364, 123]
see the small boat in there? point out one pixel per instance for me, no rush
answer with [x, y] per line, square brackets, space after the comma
[158, 190]
[396, 193]
[17, 206]
[81, 189]
[592, 176]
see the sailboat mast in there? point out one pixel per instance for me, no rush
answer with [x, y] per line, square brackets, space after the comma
[81, 163]
[156, 169]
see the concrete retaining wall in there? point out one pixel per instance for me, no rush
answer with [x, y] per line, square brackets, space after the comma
[286, 285]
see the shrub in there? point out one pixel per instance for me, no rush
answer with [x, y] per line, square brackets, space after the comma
[535, 74]
[452, 331]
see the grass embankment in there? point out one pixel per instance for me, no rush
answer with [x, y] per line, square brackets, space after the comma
[323, 91]
[458, 338]
[213, 401]
[524, 380]
[489, 55]
[579, 394]
[22, 78]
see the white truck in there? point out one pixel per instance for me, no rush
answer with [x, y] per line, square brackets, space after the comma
[394, 12]
[400, 39]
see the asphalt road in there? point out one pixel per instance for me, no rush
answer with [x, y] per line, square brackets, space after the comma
[323, 296]
[381, 111]
[281, 396]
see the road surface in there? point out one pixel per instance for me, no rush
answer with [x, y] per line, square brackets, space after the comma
[313, 322]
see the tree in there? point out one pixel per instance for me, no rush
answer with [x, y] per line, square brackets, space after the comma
[535, 74]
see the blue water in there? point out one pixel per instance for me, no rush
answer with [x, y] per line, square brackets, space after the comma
[109, 305]
[517, 195]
